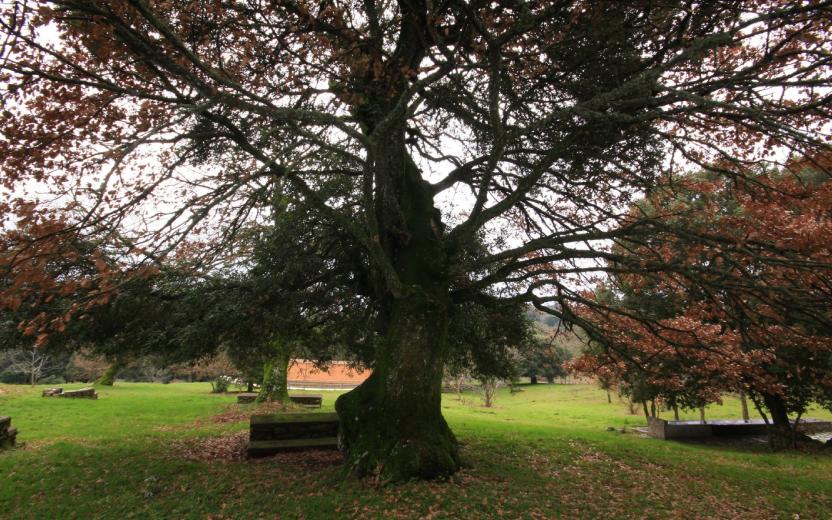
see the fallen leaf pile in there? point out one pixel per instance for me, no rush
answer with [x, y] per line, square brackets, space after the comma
[308, 460]
[206, 449]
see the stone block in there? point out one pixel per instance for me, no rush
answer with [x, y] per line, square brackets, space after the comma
[246, 398]
[312, 400]
[83, 393]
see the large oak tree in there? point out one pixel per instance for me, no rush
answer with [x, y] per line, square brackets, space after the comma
[488, 150]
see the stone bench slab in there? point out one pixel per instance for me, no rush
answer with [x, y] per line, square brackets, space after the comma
[83, 393]
[293, 426]
[308, 399]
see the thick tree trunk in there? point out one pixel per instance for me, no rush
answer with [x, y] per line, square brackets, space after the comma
[392, 426]
[780, 433]
[108, 378]
[646, 412]
[533, 380]
[675, 412]
[609, 398]
[275, 374]
[702, 414]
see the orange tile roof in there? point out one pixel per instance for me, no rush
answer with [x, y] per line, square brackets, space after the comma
[338, 372]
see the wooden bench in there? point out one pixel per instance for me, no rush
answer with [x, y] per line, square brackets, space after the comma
[310, 400]
[270, 434]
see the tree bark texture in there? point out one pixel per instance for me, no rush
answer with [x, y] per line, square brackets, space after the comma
[108, 378]
[275, 386]
[392, 427]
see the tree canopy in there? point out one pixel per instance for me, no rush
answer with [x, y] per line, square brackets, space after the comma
[483, 151]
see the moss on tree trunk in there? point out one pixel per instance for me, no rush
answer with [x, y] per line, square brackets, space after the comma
[275, 374]
[109, 375]
[392, 426]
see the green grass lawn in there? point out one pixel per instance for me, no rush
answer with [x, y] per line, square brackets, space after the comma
[172, 451]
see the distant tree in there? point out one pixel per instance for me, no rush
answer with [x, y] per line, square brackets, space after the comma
[32, 361]
[690, 342]
[543, 357]
[206, 368]
[485, 337]
[488, 387]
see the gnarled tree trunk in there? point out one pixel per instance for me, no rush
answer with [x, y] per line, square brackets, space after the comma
[392, 425]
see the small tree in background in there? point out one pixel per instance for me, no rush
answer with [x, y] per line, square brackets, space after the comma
[488, 387]
[543, 357]
[32, 361]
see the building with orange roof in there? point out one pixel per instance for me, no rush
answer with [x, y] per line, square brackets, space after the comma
[304, 375]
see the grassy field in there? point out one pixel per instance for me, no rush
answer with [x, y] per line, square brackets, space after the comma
[174, 451]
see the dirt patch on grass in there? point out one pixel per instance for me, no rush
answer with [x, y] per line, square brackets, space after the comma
[232, 447]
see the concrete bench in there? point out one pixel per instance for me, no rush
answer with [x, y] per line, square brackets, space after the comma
[270, 434]
[83, 393]
[667, 430]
